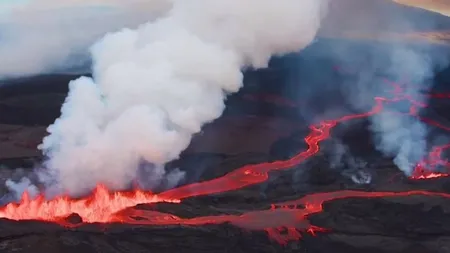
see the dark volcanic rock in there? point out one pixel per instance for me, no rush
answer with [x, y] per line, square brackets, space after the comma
[408, 217]
[231, 163]
[74, 219]
[405, 225]
[287, 147]
[121, 238]
[191, 209]
[388, 225]
[354, 243]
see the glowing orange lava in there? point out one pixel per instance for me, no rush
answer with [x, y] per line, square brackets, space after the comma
[283, 222]
[290, 216]
[426, 169]
[96, 208]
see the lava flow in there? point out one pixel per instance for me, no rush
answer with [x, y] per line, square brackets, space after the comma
[96, 208]
[427, 168]
[104, 206]
[290, 217]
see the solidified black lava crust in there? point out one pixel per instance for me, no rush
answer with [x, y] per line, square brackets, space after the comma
[415, 224]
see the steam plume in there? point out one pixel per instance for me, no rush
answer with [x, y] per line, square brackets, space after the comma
[155, 86]
[401, 136]
[402, 60]
[43, 36]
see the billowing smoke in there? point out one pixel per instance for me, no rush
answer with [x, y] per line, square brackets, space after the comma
[387, 51]
[155, 86]
[401, 136]
[43, 36]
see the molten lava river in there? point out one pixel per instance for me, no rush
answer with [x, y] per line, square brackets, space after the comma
[104, 206]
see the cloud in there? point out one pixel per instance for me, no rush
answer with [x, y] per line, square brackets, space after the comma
[47, 35]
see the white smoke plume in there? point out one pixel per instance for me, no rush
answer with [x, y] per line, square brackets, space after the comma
[155, 86]
[43, 36]
[23, 185]
[403, 137]
[402, 60]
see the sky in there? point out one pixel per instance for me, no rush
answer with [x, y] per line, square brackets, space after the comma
[440, 6]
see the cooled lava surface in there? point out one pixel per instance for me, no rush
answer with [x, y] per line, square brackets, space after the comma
[251, 211]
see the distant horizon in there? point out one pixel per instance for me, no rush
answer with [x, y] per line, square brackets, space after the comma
[438, 6]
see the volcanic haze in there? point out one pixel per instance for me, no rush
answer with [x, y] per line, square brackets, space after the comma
[439, 6]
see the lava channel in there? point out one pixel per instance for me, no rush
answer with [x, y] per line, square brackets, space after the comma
[105, 207]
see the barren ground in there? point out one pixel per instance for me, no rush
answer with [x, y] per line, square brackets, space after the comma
[259, 125]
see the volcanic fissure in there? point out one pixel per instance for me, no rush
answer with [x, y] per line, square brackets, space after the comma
[283, 221]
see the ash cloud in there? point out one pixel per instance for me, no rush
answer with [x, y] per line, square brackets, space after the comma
[155, 86]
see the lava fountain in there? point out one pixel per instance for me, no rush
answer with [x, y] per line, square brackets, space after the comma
[97, 207]
[104, 206]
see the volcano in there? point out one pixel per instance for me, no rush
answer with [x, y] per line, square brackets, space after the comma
[262, 178]
[279, 194]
